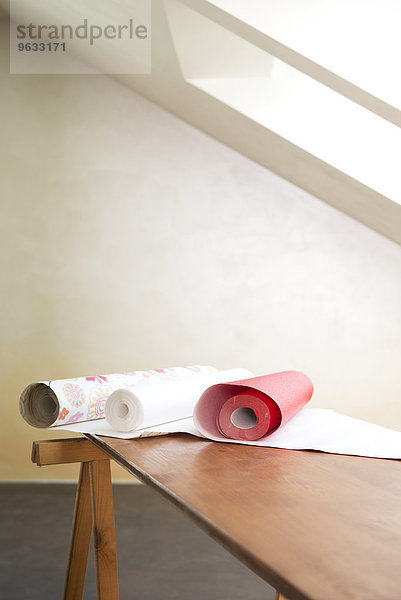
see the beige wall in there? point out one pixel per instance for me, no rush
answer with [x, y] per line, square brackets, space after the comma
[131, 240]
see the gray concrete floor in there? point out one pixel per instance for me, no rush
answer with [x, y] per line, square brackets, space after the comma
[161, 553]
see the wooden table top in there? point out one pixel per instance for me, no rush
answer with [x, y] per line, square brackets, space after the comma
[315, 526]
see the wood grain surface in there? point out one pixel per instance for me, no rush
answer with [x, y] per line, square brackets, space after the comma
[104, 530]
[58, 452]
[80, 538]
[315, 526]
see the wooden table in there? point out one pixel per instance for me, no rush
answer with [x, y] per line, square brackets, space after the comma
[315, 526]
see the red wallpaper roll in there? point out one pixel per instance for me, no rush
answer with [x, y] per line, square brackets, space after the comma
[252, 408]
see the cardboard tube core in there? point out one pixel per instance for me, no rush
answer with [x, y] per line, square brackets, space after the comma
[122, 411]
[244, 418]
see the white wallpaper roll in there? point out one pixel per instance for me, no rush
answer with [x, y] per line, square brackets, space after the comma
[158, 403]
[67, 401]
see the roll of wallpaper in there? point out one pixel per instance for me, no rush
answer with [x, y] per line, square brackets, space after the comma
[160, 403]
[250, 409]
[66, 401]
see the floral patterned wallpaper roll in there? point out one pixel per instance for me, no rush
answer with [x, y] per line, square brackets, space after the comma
[62, 401]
